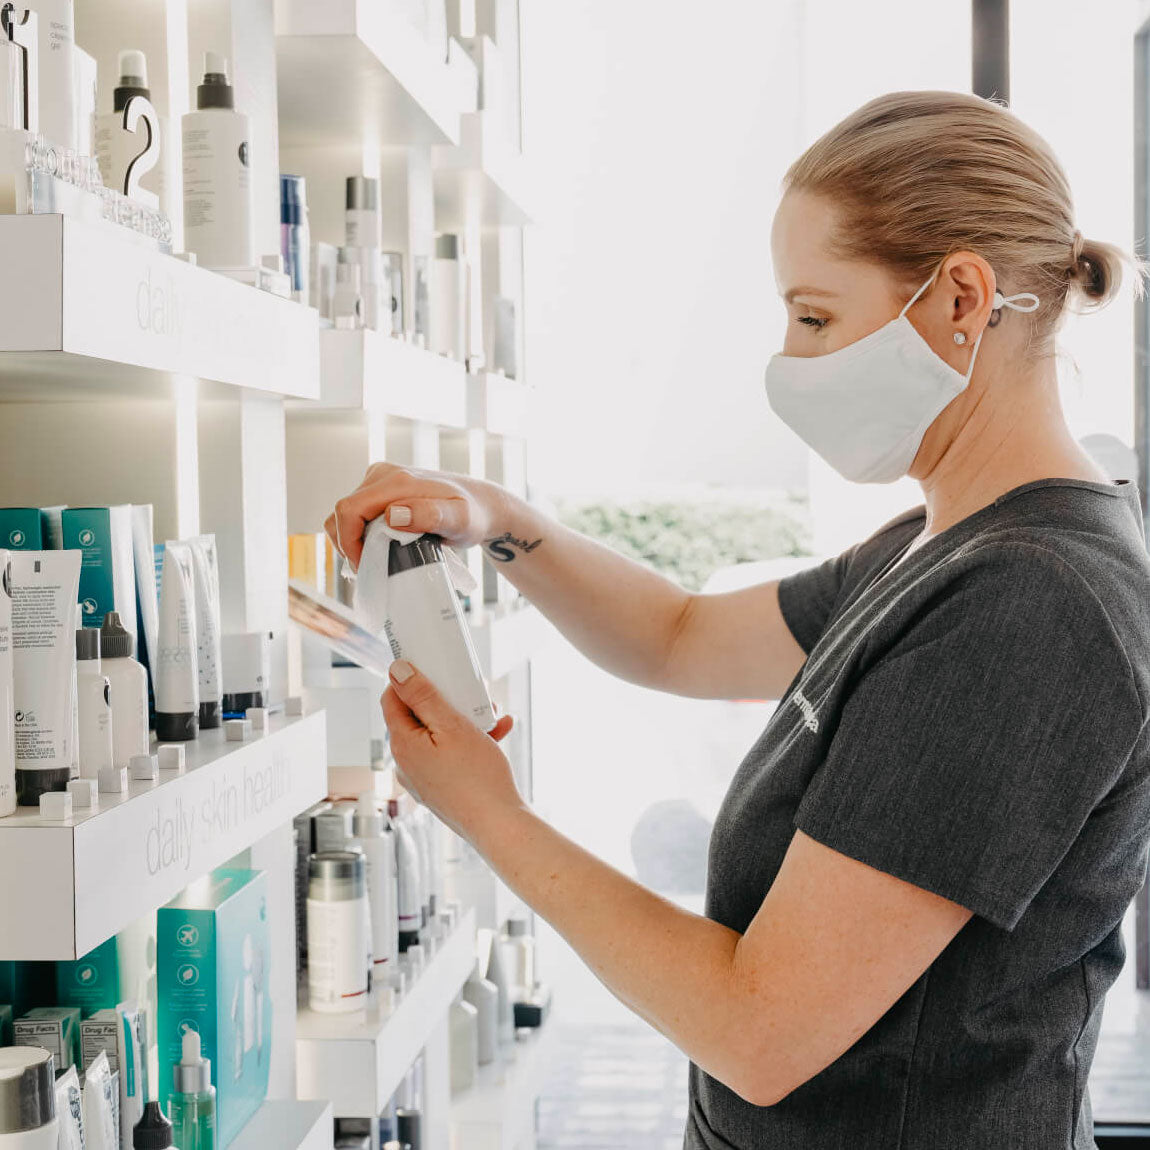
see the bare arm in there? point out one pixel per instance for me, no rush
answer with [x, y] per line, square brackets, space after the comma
[833, 946]
[626, 618]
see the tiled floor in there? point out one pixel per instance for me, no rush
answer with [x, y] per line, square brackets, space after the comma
[619, 1087]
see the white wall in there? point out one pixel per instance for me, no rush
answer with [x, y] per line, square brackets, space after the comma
[660, 140]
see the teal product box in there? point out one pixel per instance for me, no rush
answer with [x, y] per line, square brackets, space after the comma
[54, 1028]
[5, 1025]
[27, 984]
[107, 570]
[30, 528]
[93, 982]
[213, 964]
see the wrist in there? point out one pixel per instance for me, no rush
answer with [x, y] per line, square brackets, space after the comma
[493, 821]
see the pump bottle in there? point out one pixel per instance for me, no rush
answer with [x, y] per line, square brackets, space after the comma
[115, 147]
[217, 178]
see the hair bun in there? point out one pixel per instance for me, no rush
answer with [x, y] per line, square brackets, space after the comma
[1095, 268]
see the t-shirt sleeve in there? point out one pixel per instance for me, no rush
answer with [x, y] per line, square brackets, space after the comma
[807, 598]
[968, 757]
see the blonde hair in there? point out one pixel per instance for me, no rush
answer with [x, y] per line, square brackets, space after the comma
[919, 175]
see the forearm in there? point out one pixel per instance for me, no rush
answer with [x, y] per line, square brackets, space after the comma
[677, 970]
[621, 615]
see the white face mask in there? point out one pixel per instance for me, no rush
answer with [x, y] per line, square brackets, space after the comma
[866, 407]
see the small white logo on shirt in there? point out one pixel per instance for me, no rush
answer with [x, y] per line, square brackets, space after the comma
[810, 719]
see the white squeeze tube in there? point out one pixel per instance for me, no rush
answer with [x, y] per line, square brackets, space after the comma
[206, 566]
[405, 588]
[177, 676]
[45, 585]
[7, 707]
[144, 559]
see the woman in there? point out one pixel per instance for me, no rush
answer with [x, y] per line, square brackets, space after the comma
[917, 877]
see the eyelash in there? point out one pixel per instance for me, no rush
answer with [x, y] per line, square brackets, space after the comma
[812, 321]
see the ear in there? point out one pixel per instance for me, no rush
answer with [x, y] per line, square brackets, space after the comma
[967, 283]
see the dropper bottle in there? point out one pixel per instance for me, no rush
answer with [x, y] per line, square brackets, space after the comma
[192, 1103]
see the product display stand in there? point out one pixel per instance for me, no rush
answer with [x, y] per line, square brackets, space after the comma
[128, 375]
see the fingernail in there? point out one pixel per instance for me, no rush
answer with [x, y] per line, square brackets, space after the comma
[399, 516]
[402, 670]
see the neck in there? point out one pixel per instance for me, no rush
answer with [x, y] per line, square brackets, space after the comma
[1012, 431]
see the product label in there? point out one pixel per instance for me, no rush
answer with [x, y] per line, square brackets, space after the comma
[337, 949]
[96, 1035]
[47, 1035]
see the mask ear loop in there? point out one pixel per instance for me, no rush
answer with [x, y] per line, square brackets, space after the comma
[914, 298]
[997, 304]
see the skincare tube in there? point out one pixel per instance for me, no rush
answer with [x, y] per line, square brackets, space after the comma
[377, 841]
[410, 900]
[7, 707]
[100, 1131]
[176, 671]
[131, 1050]
[206, 568]
[44, 589]
[147, 602]
[94, 706]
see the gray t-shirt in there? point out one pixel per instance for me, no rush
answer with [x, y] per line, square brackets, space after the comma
[972, 723]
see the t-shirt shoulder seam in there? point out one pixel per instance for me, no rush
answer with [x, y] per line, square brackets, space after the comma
[1078, 577]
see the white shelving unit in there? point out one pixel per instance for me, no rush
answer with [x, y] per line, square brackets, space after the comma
[357, 1061]
[106, 867]
[380, 80]
[498, 1112]
[89, 312]
[129, 375]
[288, 1124]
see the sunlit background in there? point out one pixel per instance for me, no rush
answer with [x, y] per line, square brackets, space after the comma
[660, 133]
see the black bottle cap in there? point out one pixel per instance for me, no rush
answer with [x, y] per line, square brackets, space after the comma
[176, 726]
[116, 641]
[215, 91]
[153, 1131]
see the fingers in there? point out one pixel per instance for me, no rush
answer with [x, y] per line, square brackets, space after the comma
[448, 517]
[398, 715]
[422, 698]
[502, 728]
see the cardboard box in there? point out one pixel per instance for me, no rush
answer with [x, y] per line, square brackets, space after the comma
[100, 1033]
[93, 982]
[54, 1028]
[213, 967]
[107, 571]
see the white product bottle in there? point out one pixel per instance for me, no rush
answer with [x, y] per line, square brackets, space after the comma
[362, 232]
[426, 626]
[497, 973]
[448, 299]
[337, 932]
[217, 176]
[519, 949]
[484, 996]
[410, 882]
[93, 705]
[129, 681]
[55, 37]
[377, 842]
[116, 148]
[347, 303]
[463, 1025]
[14, 74]
[27, 1099]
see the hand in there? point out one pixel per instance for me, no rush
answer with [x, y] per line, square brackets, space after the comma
[444, 760]
[458, 508]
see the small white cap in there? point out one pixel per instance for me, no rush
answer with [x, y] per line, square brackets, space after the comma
[237, 730]
[56, 805]
[293, 705]
[171, 756]
[144, 768]
[113, 780]
[133, 65]
[84, 792]
[190, 1047]
[215, 62]
[258, 717]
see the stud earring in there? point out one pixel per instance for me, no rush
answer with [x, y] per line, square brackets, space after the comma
[960, 337]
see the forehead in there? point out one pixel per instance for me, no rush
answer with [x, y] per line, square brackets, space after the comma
[801, 238]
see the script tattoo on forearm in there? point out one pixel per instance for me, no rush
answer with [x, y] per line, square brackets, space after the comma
[501, 548]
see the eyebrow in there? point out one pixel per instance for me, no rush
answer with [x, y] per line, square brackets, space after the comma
[789, 297]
